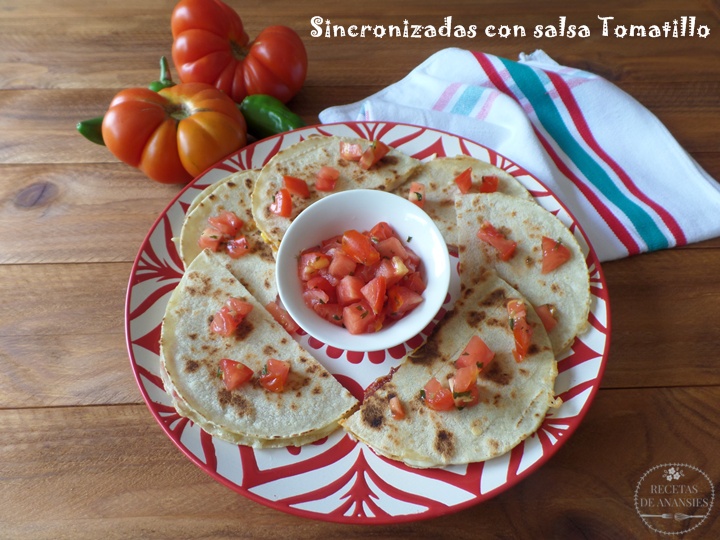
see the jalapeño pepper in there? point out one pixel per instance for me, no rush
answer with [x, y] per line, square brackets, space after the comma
[92, 129]
[266, 115]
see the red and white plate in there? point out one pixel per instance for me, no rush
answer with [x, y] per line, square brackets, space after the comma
[338, 479]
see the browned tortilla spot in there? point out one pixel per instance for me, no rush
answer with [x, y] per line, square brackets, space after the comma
[495, 373]
[373, 414]
[445, 443]
[192, 366]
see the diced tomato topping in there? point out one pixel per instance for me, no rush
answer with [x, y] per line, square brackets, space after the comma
[437, 397]
[237, 247]
[504, 246]
[401, 299]
[476, 353]
[326, 178]
[210, 239]
[228, 318]
[489, 184]
[282, 317]
[464, 180]
[274, 375]
[546, 312]
[374, 153]
[341, 265]
[311, 262]
[396, 408]
[349, 290]
[234, 374]
[226, 222]
[296, 186]
[374, 293]
[282, 205]
[357, 270]
[464, 378]
[358, 318]
[330, 312]
[392, 247]
[350, 151]
[359, 248]
[468, 398]
[381, 231]
[416, 195]
[522, 331]
[555, 254]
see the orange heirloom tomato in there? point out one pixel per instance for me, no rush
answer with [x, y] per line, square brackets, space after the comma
[174, 134]
[211, 46]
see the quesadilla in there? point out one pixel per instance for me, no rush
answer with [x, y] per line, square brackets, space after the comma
[254, 269]
[564, 291]
[513, 397]
[438, 176]
[309, 407]
[304, 160]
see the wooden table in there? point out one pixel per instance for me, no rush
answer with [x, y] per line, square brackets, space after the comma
[80, 455]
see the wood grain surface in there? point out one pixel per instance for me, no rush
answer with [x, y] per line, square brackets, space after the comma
[80, 454]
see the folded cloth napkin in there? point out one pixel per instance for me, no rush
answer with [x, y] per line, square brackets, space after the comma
[607, 158]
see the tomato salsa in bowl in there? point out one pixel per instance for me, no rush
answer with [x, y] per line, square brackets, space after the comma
[363, 270]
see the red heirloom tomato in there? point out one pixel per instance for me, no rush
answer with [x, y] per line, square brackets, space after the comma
[174, 134]
[211, 46]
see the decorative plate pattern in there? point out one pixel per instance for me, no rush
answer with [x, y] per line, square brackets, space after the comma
[338, 479]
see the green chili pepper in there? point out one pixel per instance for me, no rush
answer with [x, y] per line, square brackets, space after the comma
[266, 115]
[92, 129]
[165, 80]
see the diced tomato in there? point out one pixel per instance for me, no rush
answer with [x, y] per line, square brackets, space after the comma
[374, 153]
[311, 262]
[296, 186]
[468, 398]
[374, 293]
[234, 374]
[504, 246]
[228, 318]
[358, 318]
[393, 270]
[282, 205]
[489, 184]
[546, 312]
[227, 222]
[416, 195]
[476, 353]
[414, 282]
[464, 180]
[391, 247]
[555, 254]
[319, 282]
[330, 312]
[401, 299]
[464, 378]
[522, 331]
[341, 265]
[381, 231]
[326, 178]
[313, 297]
[237, 247]
[210, 239]
[359, 248]
[437, 397]
[282, 317]
[349, 290]
[396, 408]
[350, 151]
[274, 375]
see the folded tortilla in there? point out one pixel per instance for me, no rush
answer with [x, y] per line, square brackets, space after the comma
[309, 408]
[303, 160]
[514, 397]
[567, 288]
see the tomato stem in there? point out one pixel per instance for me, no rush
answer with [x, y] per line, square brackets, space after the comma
[238, 51]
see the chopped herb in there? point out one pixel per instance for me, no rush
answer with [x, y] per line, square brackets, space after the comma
[422, 394]
[409, 238]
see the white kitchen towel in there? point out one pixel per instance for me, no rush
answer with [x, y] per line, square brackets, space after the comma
[620, 172]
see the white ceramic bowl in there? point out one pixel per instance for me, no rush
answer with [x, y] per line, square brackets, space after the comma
[362, 209]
